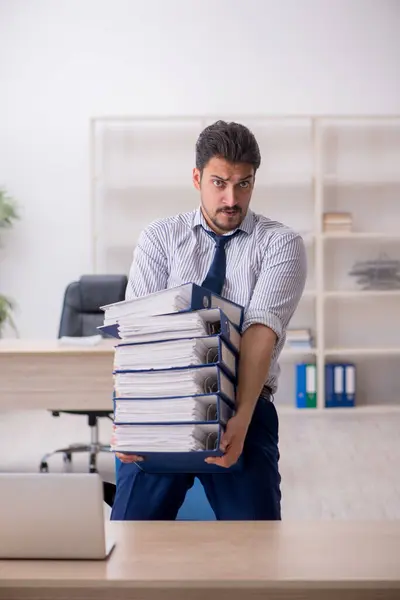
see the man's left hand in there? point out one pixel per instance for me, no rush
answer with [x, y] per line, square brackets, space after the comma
[232, 442]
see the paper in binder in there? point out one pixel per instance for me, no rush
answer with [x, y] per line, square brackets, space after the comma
[181, 352]
[171, 448]
[186, 297]
[167, 383]
[176, 326]
[204, 408]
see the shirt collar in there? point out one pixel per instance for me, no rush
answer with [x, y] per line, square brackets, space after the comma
[247, 225]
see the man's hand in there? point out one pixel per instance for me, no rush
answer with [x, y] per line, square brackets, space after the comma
[128, 458]
[232, 442]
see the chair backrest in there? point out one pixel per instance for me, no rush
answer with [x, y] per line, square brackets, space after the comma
[81, 314]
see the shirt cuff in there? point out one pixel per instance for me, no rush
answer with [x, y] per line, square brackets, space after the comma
[263, 318]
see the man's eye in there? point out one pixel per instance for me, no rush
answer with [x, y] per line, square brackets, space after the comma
[244, 184]
[218, 183]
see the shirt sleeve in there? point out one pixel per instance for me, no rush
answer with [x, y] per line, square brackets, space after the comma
[280, 284]
[149, 269]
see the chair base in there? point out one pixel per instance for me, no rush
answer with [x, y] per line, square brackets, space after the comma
[68, 451]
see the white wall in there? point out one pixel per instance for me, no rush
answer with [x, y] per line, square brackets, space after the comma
[66, 61]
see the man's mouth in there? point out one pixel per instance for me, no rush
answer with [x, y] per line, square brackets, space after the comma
[230, 212]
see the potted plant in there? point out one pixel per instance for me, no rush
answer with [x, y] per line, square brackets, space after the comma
[8, 214]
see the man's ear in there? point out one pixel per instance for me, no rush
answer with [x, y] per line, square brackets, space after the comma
[196, 177]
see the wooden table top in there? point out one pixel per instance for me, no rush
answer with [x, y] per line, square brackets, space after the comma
[237, 555]
[25, 346]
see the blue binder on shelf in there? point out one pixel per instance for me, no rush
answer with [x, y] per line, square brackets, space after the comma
[192, 297]
[306, 385]
[215, 322]
[340, 385]
[212, 349]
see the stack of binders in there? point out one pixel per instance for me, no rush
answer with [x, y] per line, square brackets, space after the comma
[175, 375]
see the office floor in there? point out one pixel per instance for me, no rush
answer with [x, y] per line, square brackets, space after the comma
[342, 466]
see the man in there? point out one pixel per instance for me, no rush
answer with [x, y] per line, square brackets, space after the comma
[255, 262]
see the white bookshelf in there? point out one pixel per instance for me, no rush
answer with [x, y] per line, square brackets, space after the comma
[141, 170]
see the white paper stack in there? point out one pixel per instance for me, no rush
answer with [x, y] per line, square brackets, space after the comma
[166, 301]
[166, 438]
[166, 354]
[161, 410]
[162, 327]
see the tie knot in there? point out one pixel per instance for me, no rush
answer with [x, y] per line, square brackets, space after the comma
[221, 240]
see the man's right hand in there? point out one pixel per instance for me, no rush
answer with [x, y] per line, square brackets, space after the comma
[128, 458]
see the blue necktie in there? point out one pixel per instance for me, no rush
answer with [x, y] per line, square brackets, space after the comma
[215, 277]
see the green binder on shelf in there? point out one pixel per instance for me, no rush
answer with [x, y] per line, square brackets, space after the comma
[306, 385]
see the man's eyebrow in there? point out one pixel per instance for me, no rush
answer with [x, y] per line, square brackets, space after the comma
[227, 178]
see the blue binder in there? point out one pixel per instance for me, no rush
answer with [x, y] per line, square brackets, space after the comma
[215, 320]
[187, 461]
[191, 461]
[218, 351]
[214, 382]
[210, 379]
[218, 407]
[198, 298]
[340, 385]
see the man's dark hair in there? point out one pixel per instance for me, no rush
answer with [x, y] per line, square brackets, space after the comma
[232, 141]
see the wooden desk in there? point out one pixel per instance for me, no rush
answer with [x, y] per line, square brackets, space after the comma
[331, 560]
[50, 375]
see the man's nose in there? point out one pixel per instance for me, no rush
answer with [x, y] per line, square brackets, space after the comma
[229, 197]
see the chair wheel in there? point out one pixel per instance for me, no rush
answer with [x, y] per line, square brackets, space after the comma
[44, 467]
[67, 457]
[92, 463]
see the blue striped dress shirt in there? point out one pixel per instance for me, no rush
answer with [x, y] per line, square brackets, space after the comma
[265, 268]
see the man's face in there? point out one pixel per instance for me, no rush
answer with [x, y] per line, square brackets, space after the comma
[225, 190]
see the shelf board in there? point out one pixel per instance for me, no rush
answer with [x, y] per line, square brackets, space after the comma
[360, 235]
[361, 180]
[373, 409]
[362, 351]
[287, 351]
[360, 294]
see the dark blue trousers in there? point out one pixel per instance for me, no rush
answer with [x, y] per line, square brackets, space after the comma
[253, 493]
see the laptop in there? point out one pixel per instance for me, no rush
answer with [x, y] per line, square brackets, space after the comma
[52, 516]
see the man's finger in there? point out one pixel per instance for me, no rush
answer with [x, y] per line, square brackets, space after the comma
[225, 441]
[225, 461]
[128, 458]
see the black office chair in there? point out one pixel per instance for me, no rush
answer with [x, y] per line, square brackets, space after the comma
[81, 317]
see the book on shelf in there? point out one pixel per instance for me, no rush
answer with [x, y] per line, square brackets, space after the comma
[299, 339]
[337, 222]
